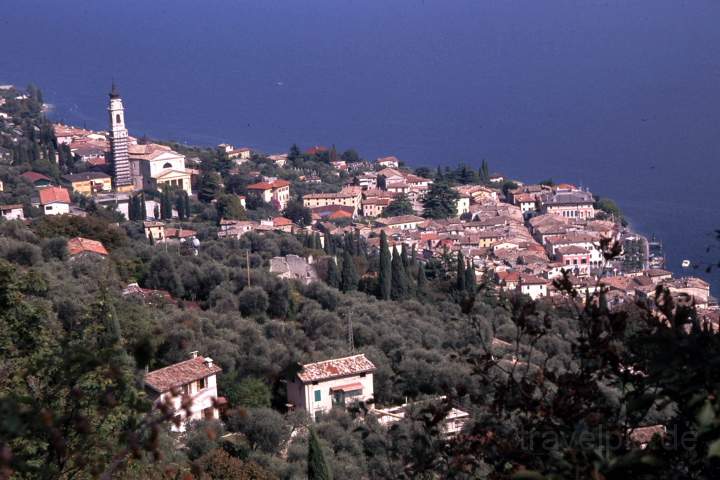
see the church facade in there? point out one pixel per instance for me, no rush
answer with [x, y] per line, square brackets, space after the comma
[157, 167]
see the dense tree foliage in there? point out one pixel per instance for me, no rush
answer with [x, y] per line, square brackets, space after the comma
[400, 205]
[440, 201]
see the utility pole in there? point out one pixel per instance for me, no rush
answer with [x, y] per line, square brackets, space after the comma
[351, 340]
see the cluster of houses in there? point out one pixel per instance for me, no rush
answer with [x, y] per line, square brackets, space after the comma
[524, 239]
[315, 388]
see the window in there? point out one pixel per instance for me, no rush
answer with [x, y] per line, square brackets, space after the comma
[117, 118]
[583, 261]
[318, 395]
[202, 383]
[167, 165]
[186, 389]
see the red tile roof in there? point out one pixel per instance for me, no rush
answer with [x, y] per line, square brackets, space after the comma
[337, 367]
[80, 245]
[165, 379]
[35, 176]
[281, 221]
[13, 206]
[338, 214]
[316, 149]
[53, 194]
[268, 185]
[171, 232]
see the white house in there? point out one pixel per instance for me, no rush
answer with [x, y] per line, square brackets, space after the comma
[54, 200]
[534, 287]
[195, 378]
[319, 386]
[451, 425]
[12, 212]
[403, 222]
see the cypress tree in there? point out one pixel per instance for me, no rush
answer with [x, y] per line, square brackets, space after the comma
[180, 205]
[404, 257]
[186, 199]
[385, 273]
[333, 277]
[421, 280]
[349, 280]
[399, 286]
[327, 245]
[413, 256]
[165, 205]
[143, 207]
[318, 468]
[348, 244]
[470, 281]
[460, 278]
[131, 209]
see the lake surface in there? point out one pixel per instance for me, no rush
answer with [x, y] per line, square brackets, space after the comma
[620, 96]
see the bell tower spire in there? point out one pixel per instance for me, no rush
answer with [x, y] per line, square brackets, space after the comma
[119, 142]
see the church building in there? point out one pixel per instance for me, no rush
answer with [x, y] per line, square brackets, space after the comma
[158, 166]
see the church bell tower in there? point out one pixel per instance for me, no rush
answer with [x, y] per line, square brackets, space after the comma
[119, 143]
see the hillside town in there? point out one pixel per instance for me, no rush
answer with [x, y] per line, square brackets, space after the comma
[534, 240]
[522, 237]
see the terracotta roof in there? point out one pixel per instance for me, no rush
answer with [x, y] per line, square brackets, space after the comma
[316, 149]
[171, 232]
[268, 185]
[337, 367]
[532, 280]
[281, 221]
[96, 162]
[14, 206]
[165, 379]
[80, 245]
[35, 176]
[54, 194]
[339, 214]
[572, 250]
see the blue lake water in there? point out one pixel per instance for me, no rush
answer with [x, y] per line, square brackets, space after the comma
[620, 96]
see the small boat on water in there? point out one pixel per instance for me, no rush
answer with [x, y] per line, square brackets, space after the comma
[685, 263]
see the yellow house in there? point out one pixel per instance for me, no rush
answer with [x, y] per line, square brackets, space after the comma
[88, 183]
[347, 197]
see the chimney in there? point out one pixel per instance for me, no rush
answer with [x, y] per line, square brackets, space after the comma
[193, 354]
[208, 362]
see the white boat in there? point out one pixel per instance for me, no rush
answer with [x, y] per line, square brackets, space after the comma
[685, 263]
